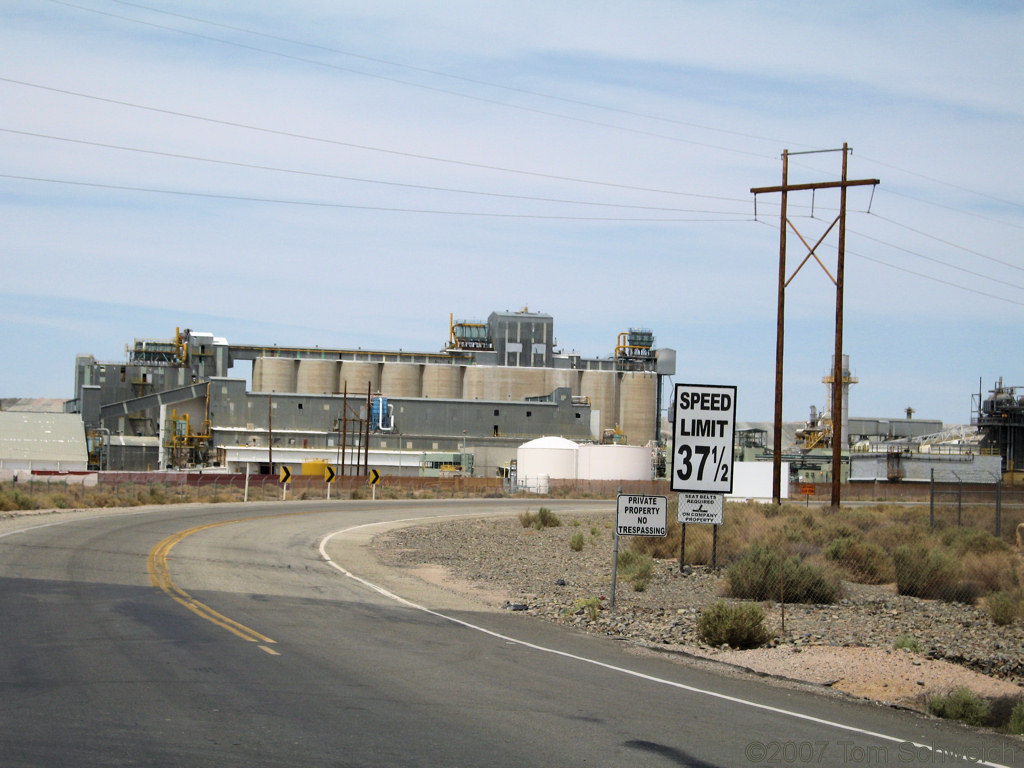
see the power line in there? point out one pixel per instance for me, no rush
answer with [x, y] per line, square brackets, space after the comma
[437, 73]
[321, 204]
[922, 275]
[973, 214]
[939, 261]
[399, 81]
[364, 147]
[337, 177]
[947, 242]
[937, 280]
[947, 183]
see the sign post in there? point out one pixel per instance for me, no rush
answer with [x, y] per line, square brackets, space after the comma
[637, 515]
[286, 477]
[329, 476]
[702, 454]
[374, 479]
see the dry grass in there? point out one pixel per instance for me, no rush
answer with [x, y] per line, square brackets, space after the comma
[956, 563]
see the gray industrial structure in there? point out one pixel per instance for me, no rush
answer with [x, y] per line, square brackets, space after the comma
[495, 385]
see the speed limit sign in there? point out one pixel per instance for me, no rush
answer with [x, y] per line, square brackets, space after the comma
[702, 438]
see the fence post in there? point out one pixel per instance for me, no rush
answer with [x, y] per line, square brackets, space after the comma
[999, 507]
[960, 503]
[931, 501]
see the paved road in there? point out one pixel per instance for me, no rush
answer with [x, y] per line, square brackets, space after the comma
[221, 636]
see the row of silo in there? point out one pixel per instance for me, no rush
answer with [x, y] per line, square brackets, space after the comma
[316, 376]
[455, 382]
[627, 399]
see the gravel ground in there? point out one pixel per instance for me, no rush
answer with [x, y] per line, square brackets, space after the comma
[847, 646]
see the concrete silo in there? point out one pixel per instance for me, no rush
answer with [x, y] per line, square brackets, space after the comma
[317, 377]
[274, 374]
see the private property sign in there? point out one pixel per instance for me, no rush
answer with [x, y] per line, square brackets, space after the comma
[642, 516]
[702, 438]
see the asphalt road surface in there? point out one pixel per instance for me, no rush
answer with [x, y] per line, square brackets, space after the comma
[263, 635]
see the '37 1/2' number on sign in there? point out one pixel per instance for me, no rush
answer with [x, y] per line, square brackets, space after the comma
[686, 453]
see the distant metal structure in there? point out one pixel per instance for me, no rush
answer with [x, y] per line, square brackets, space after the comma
[842, 185]
[495, 384]
[1000, 416]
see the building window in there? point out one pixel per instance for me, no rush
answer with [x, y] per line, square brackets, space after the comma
[577, 414]
[300, 406]
[497, 432]
[529, 414]
[495, 411]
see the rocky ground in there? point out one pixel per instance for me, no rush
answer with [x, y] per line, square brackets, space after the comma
[848, 646]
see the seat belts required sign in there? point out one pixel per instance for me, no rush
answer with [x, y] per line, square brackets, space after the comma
[702, 438]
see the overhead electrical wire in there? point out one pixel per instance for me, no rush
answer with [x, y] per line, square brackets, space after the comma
[364, 147]
[961, 188]
[439, 73]
[462, 78]
[940, 261]
[435, 89]
[923, 275]
[338, 177]
[322, 204]
[483, 166]
[948, 242]
[935, 279]
[960, 210]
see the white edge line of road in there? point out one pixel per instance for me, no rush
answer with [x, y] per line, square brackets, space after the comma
[622, 670]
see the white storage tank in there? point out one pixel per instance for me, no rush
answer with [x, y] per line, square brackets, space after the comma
[614, 462]
[545, 458]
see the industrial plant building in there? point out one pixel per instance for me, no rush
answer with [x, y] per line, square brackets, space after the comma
[186, 401]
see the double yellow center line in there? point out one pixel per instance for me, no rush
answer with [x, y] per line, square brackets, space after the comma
[160, 577]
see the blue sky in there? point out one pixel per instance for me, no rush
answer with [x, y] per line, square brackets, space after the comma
[347, 174]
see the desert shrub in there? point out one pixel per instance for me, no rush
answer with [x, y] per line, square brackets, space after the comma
[960, 704]
[636, 568]
[576, 542]
[863, 562]
[892, 534]
[1003, 607]
[994, 571]
[908, 643]
[971, 540]
[1016, 723]
[14, 500]
[764, 573]
[739, 625]
[590, 606]
[59, 501]
[544, 518]
[548, 519]
[932, 573]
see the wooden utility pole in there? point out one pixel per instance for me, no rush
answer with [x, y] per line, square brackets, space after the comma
[838, 280]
